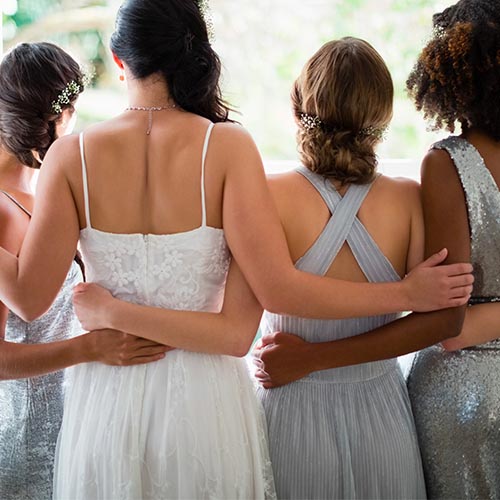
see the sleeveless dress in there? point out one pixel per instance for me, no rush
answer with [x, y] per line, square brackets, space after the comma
[347, 432]
[31, 409]
[456, 395]
[188, 426]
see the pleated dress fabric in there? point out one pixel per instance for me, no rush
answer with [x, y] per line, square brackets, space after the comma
[456, 395]
[343, 433]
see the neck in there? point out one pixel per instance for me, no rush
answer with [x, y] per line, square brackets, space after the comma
[148, 92]
[478, 137]
[14, 176]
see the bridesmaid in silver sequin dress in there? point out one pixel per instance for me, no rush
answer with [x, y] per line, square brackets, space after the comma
[455, 389]
[32, 354]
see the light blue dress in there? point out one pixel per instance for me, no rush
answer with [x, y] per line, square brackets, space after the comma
[348, 432]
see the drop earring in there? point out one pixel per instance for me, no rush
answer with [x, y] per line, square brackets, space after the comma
[122, 76]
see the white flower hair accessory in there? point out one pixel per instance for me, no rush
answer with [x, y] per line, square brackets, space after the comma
[72, 89]
[310, 122]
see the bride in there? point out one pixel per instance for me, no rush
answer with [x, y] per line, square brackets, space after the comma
[158, 198]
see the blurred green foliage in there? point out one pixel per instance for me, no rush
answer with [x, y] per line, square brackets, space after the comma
[263, 45]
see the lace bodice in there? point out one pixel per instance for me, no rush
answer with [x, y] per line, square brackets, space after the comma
[176, 271]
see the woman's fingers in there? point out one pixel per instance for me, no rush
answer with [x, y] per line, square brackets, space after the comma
[142, 360]
[147, 351]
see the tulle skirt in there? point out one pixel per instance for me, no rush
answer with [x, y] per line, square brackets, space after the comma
[186, 427]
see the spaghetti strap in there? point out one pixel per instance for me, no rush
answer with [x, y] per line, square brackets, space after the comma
[203, 158]
[85, 183]
[11, 198]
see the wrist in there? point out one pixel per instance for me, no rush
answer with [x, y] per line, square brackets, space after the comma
[87, 347]
[112, 314]
[314, 356]
[403, 296]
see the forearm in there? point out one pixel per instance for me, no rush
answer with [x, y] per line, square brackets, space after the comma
[21, 292]
[31, 360]
[409, 334]
[481, 325]
[211, 333]
[306, 295]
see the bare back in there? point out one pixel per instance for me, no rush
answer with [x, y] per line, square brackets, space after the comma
[141, 183]
[391, 213]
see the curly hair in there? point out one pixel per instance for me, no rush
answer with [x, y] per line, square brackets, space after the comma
[457, 75]
[32, 76]
[347, 85]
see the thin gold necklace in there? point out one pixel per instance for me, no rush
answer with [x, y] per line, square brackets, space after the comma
[150, 110]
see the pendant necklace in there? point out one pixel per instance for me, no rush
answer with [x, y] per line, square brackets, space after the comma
[150, 110]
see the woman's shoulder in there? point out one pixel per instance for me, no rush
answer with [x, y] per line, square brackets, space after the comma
[396, 192]
[396, 186]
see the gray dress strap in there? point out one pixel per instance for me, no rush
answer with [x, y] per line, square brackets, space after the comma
[342, 432]
[345, 227]
[483, 210]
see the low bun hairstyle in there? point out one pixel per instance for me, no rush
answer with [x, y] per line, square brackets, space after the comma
[170, 37]
[347, 85]
[32, 76]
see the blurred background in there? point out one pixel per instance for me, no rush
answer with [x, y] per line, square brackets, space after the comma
[263, 45]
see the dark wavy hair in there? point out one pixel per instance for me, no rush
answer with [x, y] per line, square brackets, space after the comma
[32, 76]
[347, 85]
[457, 75]
[170, 37]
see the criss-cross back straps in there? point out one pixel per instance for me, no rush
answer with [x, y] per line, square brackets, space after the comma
[203, 159]
[345, 226]
[85, 183]
[17, 203]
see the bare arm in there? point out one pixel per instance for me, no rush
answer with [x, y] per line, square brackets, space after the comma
[258, 243]
[446, 225]
[229, 332]
[481, 325]
[28, 285]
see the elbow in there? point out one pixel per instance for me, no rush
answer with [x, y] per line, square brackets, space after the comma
[453, 344]
[452, 328]
[277, 295]
[274, 302]
[240, 349]
[243, 342]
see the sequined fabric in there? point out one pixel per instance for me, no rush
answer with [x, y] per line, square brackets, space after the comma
[31, 409]
[456, 395]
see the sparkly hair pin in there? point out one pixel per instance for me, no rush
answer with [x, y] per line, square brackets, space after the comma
[72, 89]
[377, 132]
[310, 122]
[206, 14]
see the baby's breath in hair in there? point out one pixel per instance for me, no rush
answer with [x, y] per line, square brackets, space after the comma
[72, 89]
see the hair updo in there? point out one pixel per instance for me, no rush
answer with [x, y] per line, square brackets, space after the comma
[457, 75]
[170, 37]
[347, 85]
[32, 76]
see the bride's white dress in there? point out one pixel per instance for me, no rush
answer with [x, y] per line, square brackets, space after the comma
[188, 426]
